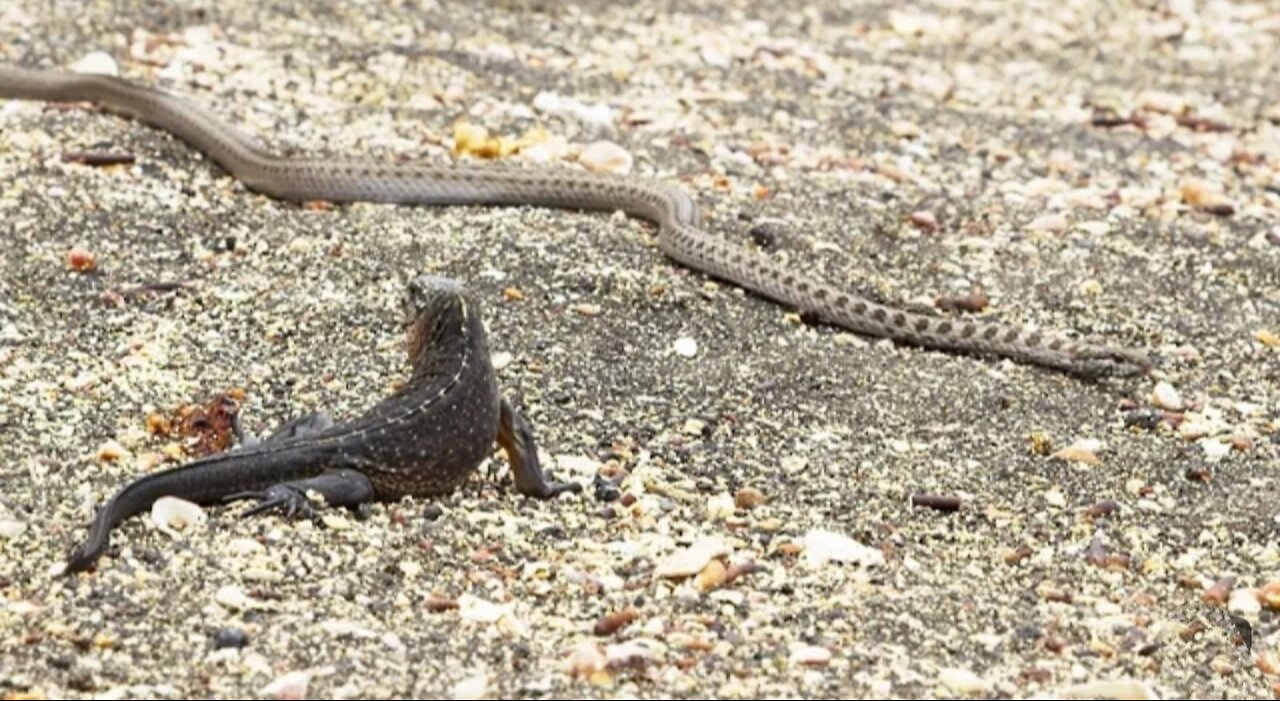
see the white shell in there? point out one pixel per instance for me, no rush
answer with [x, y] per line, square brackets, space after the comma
[288, 686]
[822, 547]
[691, 560]
[98, 63]
[606, 157]
[172, 514]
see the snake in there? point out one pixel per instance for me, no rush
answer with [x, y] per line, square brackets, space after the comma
[681, 235]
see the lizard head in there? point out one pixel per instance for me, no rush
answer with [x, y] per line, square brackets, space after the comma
[434, 308]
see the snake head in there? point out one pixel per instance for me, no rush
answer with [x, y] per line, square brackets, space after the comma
[1103, 361]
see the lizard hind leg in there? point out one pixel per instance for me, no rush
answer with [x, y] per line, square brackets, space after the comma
[516, 439]
[346, 488]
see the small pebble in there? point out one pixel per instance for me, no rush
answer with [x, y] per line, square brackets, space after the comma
[767, 233]
[606, 157]
[793, 464]
[937, 502]
[925, 221]
[686, 346]
[1083, 451]
[632, 654]
[230, 638]
[741, 569]
[613, 622]
[1269, 663]
[1223, 665]
[1218, 593]
[1166, 397]
[687, 562]
[822, 547]
[1108, 689]
[586, 660]
[288, 686]
[1269, 595]
[1194, 428]
[410, 568]
[905, 130]
[810, 656]
[478, 610]
[963, 681]
[474, 140]
[476, 687]
[301, 244]
[713, 576]
[598, 115]
[233, 598]
[172, 514]
[972, 303]
[1215, 449]
[1244, 603]
[749, 498]
[1091, 287]
[605, 489]
[1145, 419]
[11, 528]
[1103, 509]
[1094, 228]
[1205, 198]
[112, 451]
[720, 506]
[81, 260]
[97, 63]
[1049, 224]
[437, 604]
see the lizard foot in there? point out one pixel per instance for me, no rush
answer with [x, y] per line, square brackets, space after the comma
[337, 487]
[516, 438]
[288, 498]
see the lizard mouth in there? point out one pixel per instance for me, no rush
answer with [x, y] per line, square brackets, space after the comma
[429, 296]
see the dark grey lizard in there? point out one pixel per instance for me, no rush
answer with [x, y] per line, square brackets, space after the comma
[423, 440]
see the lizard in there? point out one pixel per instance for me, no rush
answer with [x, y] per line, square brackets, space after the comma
[423, 440]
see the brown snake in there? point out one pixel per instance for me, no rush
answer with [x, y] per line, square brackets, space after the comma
[680, 235]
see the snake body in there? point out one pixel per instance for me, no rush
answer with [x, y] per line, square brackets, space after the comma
[671, 208]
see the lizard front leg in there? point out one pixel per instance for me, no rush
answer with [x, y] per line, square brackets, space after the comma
[516, 439]
[305, 425]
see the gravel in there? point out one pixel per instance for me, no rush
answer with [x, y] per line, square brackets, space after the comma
[748, 527]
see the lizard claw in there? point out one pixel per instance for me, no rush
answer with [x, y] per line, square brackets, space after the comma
[291, 500]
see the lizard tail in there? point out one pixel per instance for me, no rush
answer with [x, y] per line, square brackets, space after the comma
[203, 481]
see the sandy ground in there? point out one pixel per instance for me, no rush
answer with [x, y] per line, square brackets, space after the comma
[1112, 169]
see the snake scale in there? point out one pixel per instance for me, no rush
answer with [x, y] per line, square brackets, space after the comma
[671, 208]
